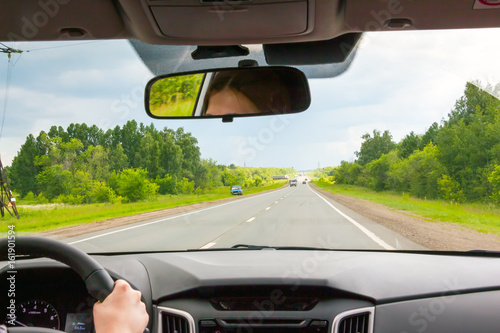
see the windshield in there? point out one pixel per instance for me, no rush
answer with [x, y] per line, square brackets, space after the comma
[400, 152]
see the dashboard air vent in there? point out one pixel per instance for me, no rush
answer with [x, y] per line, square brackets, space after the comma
[354, 321]
[175, 321]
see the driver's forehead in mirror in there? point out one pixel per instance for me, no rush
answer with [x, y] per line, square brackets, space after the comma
[246, 92]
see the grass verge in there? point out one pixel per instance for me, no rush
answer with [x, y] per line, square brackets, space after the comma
[481, 217]
[52, 217]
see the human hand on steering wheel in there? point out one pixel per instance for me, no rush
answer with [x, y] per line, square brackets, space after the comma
[121, 312]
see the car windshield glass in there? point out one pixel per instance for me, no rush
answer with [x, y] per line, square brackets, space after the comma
[399, 152]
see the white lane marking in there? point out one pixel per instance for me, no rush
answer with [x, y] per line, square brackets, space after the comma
[250, 219]
[207, 246]
[166, 219]
[276, 202]
[370, 234]
[268, 208]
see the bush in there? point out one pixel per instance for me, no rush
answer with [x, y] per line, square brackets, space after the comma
[494, 179]
[185, 186]
[450, 189]
[41, 199]
[30, 197]
[166, 185]
[71, 199]
[101, 193]
[133, 185]
[257, 181]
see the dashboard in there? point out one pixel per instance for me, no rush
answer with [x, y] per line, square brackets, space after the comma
[49, 296]
[268, 291]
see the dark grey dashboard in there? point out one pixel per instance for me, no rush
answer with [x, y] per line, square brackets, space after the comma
[292, 291]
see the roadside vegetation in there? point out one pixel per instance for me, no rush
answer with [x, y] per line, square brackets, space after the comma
[37, 218]
[457, 161]
[451, 173]
[122, 171]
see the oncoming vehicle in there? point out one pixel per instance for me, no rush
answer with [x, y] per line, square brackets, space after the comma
[125, 122]
[236, 190]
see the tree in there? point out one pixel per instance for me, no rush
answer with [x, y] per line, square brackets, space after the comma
[408, 145]
[378, 171]
[148, 156]
[55, 181]
[23, 171]
[117, 158]
[418, 174]
[374, 147]
[346, 173]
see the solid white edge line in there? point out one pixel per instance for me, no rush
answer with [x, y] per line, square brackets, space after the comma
[207, 246]
[250, 219]
[166, 219]
[370, 234]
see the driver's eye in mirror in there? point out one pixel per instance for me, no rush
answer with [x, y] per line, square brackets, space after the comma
[228, 92]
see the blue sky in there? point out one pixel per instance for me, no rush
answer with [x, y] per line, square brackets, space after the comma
[402, 81]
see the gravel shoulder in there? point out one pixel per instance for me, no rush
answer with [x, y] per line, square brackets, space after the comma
[434, 235]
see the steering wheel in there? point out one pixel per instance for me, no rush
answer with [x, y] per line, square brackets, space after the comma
[97, 280]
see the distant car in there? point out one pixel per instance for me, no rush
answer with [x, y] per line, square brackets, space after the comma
[293, 182]
[236, 190]
[304, 182]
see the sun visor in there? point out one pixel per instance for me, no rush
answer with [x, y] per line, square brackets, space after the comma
[331, 51]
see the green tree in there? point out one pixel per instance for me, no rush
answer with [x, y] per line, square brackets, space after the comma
[377, 171]
[408, 145]
[55, 181]
[23, 171]
[374, 147]
[418, 174]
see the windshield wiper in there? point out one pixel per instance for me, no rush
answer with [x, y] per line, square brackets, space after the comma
[263, 247]
[251, 247]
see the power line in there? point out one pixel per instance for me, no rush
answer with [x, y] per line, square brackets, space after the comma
[6, 95]
[60, 46]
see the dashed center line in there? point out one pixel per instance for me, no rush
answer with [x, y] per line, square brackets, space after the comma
[276, 202]
[268, 208]
[209, 245]
[250, 219]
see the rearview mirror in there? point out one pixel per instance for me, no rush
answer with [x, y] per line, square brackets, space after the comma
[227, 93]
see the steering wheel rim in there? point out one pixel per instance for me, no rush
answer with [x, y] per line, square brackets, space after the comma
[97, 280]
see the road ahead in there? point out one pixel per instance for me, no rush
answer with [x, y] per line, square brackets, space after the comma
[293, 216]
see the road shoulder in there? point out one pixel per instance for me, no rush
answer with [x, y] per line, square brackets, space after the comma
[439, 236]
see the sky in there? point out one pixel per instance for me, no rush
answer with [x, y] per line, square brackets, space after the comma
[399, 81]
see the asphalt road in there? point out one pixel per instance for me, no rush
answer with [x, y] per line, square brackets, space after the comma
[293, 216]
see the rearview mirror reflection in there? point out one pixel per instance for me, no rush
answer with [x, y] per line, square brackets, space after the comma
[233, 92]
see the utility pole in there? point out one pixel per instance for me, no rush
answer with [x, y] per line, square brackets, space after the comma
[7, 202]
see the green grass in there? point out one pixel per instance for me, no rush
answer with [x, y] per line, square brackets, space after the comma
[59, 216]
[481, 217]
[179, 109]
